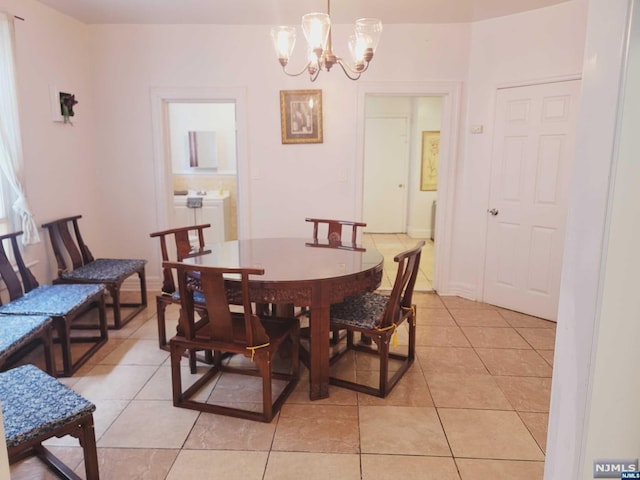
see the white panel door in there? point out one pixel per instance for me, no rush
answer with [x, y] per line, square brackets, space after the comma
[533, 148]
[386, 170]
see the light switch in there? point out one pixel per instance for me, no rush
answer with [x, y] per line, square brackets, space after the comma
[476, 128]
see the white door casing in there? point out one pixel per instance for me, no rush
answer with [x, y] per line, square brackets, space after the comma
[533, 149]
[386, 171]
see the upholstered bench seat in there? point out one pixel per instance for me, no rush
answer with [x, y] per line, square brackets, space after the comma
[18, 331]
[55, 300]
[104, 270]
[35, 407]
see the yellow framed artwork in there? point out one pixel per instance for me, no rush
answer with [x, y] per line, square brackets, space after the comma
[430, 154]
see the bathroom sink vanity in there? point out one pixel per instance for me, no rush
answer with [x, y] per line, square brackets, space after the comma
[197, 208]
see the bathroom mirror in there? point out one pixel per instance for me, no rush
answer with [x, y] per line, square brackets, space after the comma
[203, 149]
[202, 137]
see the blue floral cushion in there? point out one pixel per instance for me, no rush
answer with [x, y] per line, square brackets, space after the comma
[19, 330]
[105, 270]
[55, 300]
[197, 297]
[34, 403]
[362, 311]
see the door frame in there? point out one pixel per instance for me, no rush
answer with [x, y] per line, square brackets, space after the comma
[160, 98]
[450, 93]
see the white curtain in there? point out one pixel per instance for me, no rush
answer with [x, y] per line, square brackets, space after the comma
[10, 139]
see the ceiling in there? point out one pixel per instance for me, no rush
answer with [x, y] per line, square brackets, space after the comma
[288, 12]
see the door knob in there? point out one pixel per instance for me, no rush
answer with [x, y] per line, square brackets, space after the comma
[493, 212]
[400, 185]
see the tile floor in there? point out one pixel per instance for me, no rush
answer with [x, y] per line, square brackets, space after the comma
[474, 406]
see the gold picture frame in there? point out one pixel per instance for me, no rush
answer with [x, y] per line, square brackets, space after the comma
[301, 116]
[430, 156]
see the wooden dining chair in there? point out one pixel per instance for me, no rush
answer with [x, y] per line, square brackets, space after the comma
[84, 268]
[230, 331]
[66, 304]
[188, 242]
[334, 235]
[378, 317]
[335, 229]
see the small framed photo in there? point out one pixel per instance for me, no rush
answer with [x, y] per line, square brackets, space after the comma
[301, 116]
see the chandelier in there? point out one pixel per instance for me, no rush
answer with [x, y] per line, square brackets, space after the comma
[317, 31]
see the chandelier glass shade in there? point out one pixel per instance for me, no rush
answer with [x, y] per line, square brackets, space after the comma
[316, 28]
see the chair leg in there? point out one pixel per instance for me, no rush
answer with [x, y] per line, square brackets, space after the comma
[88, 443]
[161, 307]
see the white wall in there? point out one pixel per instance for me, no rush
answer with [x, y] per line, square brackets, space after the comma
[594, 397]
[59, 159]
[542, 44]
[287, 182]
[106, 161]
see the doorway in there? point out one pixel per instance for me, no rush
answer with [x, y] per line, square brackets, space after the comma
[400, 181]
[161, 100]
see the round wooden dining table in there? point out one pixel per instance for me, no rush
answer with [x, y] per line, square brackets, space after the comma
[304, 273]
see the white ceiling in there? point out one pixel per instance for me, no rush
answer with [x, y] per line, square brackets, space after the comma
[288, 12]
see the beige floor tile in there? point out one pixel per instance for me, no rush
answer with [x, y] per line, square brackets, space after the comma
[232, 387]
[517, 319]
[452, 302]
[135, 463]
[539, 338]
[433, 316]
[477, 317]
[410, 391]
[527, 394]
[134, 351]
[219, 432]
[227, 465]
[104, 351]
[312, 466]
[148, 330]
[466, 391]
[31, 468]
[150, 423]
[523, 363]
[471, 469]
[494, 337]
[439, 336]
[449, 360]
[402, 431]
[547, 355]
[537, 423]
[107, 411]
[114, 382]
[317, 428]
[392, 467]
[488, 434]
[428, 300]
[337, 396]
[159, 386]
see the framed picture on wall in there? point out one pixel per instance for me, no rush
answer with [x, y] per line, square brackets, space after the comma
[301, 116]
[430, 153]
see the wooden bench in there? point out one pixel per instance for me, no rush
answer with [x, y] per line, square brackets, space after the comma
[20, 333]
[36, 407]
